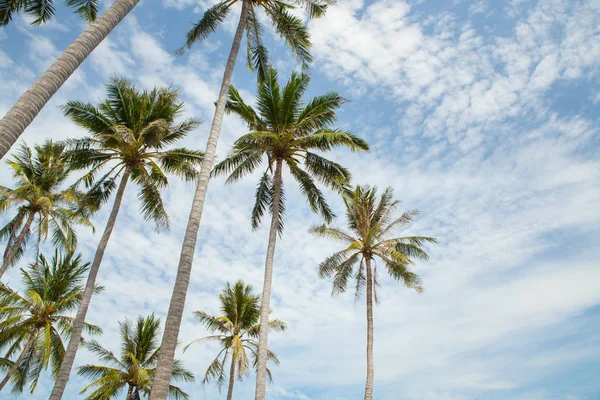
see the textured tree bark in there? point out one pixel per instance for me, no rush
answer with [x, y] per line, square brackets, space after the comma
[13, 250]
[19, 360]
[231, 378]
[35, 98]
[370, 369]
[69, 358]
[160, 386]
[265, 305]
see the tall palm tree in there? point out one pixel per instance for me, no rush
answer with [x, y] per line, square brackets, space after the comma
[134, 369]
[372, 235]
[129, 131]
[43, 11]
[292, 30]
[39, 176]
[35, 98]
[35, 323]
[238, 329]
[286, 132]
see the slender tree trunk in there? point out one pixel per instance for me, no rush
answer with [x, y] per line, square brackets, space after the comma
[69, 358]
[35, 98]
[265, 304]
[39, 242]
[15, 366]
[8, 256]
[160, 386]
[370, 371]
[231, 378]
[129, 392]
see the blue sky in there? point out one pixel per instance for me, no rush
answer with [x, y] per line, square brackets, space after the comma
[482, 114]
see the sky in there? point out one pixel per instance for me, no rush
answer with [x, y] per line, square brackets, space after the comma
[481, 114]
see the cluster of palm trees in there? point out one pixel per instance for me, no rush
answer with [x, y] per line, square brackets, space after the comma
[130, 138]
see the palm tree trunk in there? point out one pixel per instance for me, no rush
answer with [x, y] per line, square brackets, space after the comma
[231, 378]
[39, 242]
[69, 358]
[10, 254]
[265, 304]
[160, 387]
[35, 98]
[129, 392]
[15, 366]
[370, 371]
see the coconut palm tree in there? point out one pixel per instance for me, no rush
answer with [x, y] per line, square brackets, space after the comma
[237, 330]
[134, 369]
[35, 323]
[293, 31]
[372, 228]
[286, 132]
[43, 11]
[39, 176]
[35, 98]
[130, 132]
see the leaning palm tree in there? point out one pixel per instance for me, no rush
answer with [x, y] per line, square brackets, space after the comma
[286, 132]
[238, 329]
[295, 34]
[39, 177]
[43, 11]
[372, 226]
[35, 323]
[130, 131]
[133, 371]
[35, 98]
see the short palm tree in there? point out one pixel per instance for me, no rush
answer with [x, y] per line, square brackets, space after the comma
[295, 34]
[237, 330]
[35, 323]
[130, 133]
[134, 369]
[39, 177]
[42, 11]
[286, 132]
[372, 226]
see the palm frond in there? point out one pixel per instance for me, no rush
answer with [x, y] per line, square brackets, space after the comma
[207, 24]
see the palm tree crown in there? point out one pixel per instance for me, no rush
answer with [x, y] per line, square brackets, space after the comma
[35, 323]
[134, 369]
[43, 10]
[129, 132]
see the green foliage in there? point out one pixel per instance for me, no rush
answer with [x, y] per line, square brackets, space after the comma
[236, 332]
[130, 131]
[51, 291]
[371, 223]
[133, 369]
[43, 10]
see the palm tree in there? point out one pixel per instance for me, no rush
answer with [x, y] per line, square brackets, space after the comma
[43, 11]
[292, 30]
[39, 175]
[35, 323]
[286, 132]
[129, 133]
[134, 369]
[35, 98]
[237, 328]
[372, 227]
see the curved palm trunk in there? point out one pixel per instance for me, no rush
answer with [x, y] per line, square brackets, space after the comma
[231, 378]
[15, 366]
[160, 387]
[35, 98]
[370, 371]
[265, 305]
[69, 358]
[10, 254]
[129, 392]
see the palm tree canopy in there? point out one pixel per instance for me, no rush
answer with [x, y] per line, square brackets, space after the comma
[287, 130]
[372, 226]
[39, 176]
[130, 131]
[236, 331]
[51, 291]
[288, 26]
[43, 10]
[135, 364]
